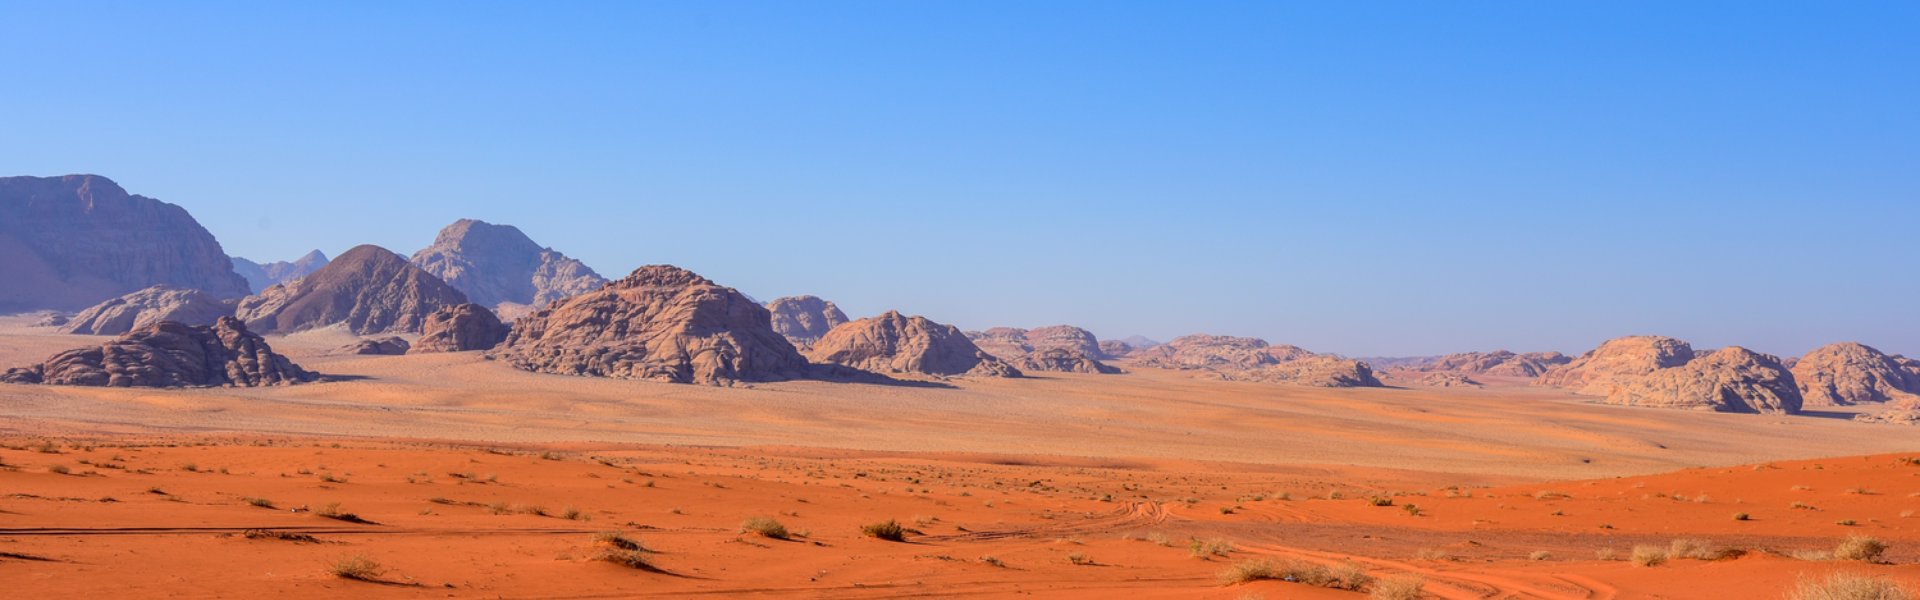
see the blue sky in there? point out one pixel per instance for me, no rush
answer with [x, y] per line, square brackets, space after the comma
[1364, 178]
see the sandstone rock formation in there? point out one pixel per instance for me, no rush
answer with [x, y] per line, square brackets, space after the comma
[803, 319]
[1598, 371]
[381, 346]
[146, 307]
[459, 328]
[1115, 349]
[1731, 379]
[1444, 379]
[261, 276]
[1057, 348]
[894, 343]
[497, 265]
[1848, 373]
[1904, 411]
[71, 242]
[1497, 363]
[1253, 359]
[169, 354]
[368, 289]
[1139, 342]
[661, 323]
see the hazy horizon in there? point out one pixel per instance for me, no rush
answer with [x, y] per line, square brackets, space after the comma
[1372, 180]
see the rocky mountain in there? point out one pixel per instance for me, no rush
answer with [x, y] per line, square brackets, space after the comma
[1115, 349]
[71, 242]
[1139, 342]
[895, 343]
[1058, 348]
[261, 276]
[1253, 359]
[146, 307]
[1498, 363]
[661, 323]
[391, 345]
[1665, 372]
[369, 289]
[169, 354]
[1848, 373]
[1731, 379]
[459, 328]
[1598, 371]
[497, 265]
[803, 319]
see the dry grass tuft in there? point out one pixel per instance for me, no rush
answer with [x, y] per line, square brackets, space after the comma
[1348, 576]
[1861, 548]
[765, 527]
[1405, 587]
[889, 530]
[1847, 586]
[1648, 556]
[358, 568]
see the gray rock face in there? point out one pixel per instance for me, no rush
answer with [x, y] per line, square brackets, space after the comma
[895, 343]
[261, 276]
[661, 323]
[169, 354]
[497, 264]
[803, 319]
[381, 346]
[71, 242]
[368, 288]
[1848, 373]
[146, 307]
[460, 328]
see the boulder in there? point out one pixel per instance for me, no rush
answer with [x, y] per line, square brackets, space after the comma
[460, 328]
[391, 345]
[146, 307]
[1848, 373]
[895, 343]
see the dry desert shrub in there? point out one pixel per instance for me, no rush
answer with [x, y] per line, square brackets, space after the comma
[632, 559]
[1405, 587]
[1210, 547]
[1347, 576]
[355, 567]
[1079, 558]
[1539, 555]
[268, 534]
[889, 530]
[765, 527]
[1847, 586]
[1648, 556]
[1861, 548]
[613, 539]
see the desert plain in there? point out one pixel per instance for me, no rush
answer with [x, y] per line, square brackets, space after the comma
[453, 475]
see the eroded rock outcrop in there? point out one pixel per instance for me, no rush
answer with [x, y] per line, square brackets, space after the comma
[661, 323]
[1253, 359]
[895, 343]
[70, 242]
[1056, 348]
[1848, 373]
[391, 345]
[1061, 360]
[1617, 360]
[368, 289]
[169, 354]
[146, 307]
[499, 267]
[460, 328]
[803, 319]
[261, 276]
[1500, 363]
[1731, 379]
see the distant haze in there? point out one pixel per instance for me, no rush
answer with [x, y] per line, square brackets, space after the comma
[1375, 180]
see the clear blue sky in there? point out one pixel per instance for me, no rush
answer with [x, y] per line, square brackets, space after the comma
[1364, 178]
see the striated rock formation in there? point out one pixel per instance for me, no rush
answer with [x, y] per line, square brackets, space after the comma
[497, 265]
[459, 328]
[1497, 363]
[1059, 348]
[261, 276]
[71, 242]
[1731, 379]
[1445, 379]
[368, 288]
[1139, 342]
[1115, 349]
[1848, 373]
[169, 354]
[661, 323]
[382, 346]
[1904, 411]
[894, 343]
[803, 319]
[146, 307]
[1253, 359]
[1598, 371]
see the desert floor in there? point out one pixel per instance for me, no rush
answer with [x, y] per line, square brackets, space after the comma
[467, 479]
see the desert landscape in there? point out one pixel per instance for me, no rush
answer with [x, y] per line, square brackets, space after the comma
[1121, 299]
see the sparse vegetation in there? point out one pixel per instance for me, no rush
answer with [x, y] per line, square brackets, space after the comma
[1348, 576]
[356, 567]
[1210, 547]
[1380, 501]
[889, 530]
[1847, 586]
[765, 527]
[990, 560]
[269, 534]
[58, 469]
[1404, 587]
[613, 539]
[1649, 556]
[1539, 555]
[1740, 516]
[1079, 558]
[632, 559]
[1861, 548]
[260, 502]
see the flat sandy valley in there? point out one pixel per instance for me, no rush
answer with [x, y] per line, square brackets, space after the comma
[461, 477]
